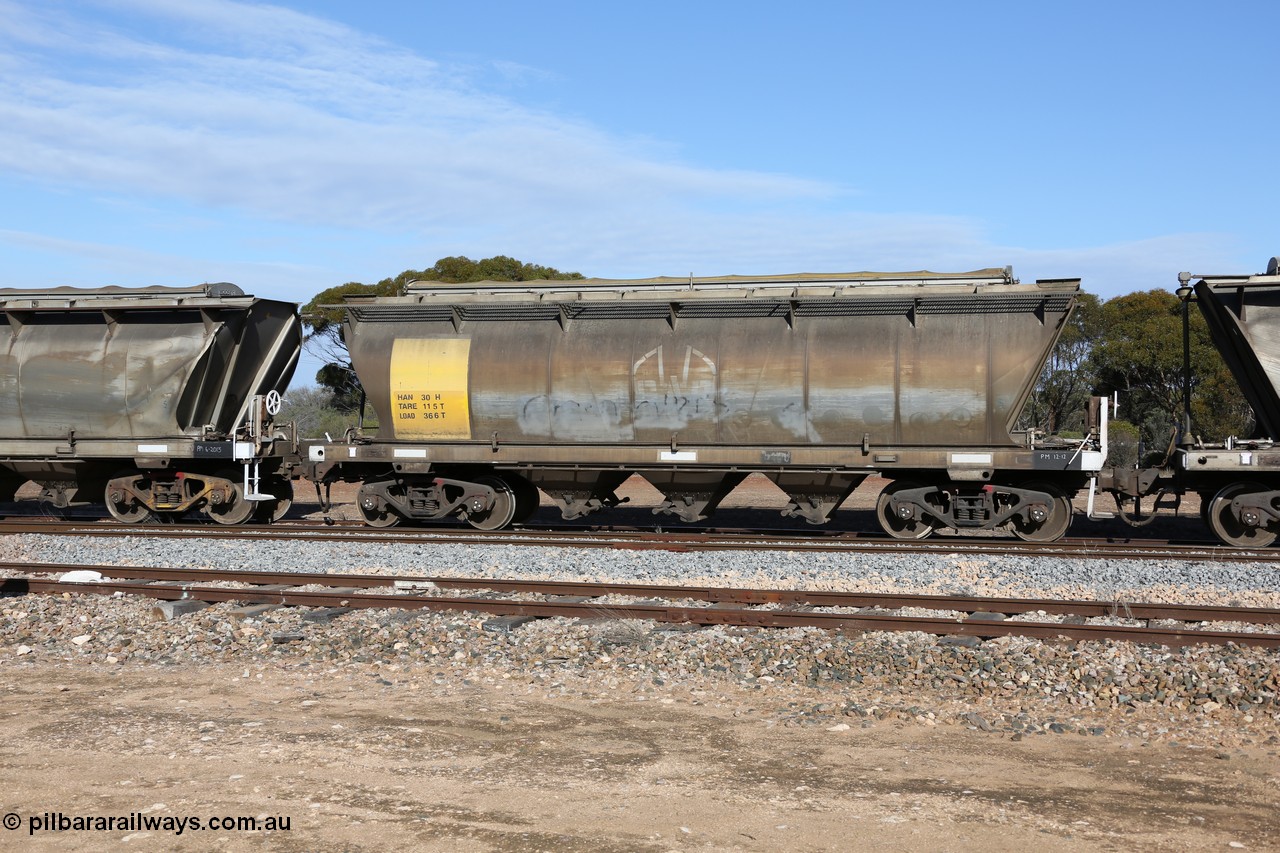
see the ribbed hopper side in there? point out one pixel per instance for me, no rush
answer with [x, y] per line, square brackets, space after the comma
[139, 362]
[892, 358]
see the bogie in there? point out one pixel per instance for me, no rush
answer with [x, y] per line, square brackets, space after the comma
[1038, 512]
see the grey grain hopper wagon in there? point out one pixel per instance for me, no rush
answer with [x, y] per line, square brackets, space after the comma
[153, 400]
[815, 381]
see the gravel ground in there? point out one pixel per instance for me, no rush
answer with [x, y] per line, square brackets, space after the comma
[411, 729]
[1243, 584]
[1205, 695]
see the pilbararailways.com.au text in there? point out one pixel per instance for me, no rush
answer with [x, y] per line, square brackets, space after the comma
[140, 822]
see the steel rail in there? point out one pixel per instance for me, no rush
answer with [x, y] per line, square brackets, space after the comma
[815, 598]
[563, 604]
[666, 541]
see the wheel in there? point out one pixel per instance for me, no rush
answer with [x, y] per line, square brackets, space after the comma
[1053, 527]
[122, 507]
[527, 497]
[267, 512]
[896, 527]
[503, 510]
[1227, 527]
[233, 508]
[374, 511]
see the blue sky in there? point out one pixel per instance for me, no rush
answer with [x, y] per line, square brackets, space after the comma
[295, 146]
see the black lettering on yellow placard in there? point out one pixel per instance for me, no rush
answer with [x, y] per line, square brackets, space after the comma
[429, 388]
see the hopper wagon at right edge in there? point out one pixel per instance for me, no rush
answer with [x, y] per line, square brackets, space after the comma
[1237, 479]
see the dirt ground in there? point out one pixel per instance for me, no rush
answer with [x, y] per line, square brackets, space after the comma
[369, 759]
[360, 760]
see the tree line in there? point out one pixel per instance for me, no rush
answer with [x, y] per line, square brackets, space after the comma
[1129, 346]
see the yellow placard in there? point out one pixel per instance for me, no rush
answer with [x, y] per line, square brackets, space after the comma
[429, 389]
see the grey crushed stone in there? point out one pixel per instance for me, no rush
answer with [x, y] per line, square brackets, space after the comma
[1016, 686]
[1129, 580]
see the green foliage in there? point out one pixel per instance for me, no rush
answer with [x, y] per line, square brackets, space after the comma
[1218, 408]
[324, 312]
[313, 411]
[1139, 354]
[322, 316]
[1122, 444]
[462, 269]
[1133, 344]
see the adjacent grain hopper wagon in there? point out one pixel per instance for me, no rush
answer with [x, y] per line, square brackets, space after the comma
[1238, 479]
[153, 401]
[487, 392]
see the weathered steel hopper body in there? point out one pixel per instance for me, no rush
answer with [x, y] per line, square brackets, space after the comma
[805, 363]
[816, 381]
[1239, 479]
[1243, 314]
[112, 382]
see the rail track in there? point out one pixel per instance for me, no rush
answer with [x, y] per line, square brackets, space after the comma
[849, 612]
[702, 540]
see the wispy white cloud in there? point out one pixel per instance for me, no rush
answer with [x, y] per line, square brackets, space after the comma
[1123, 267]
[84, 263]
[846, 241]
[289, 119]
[295, 118]
[690, 243]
